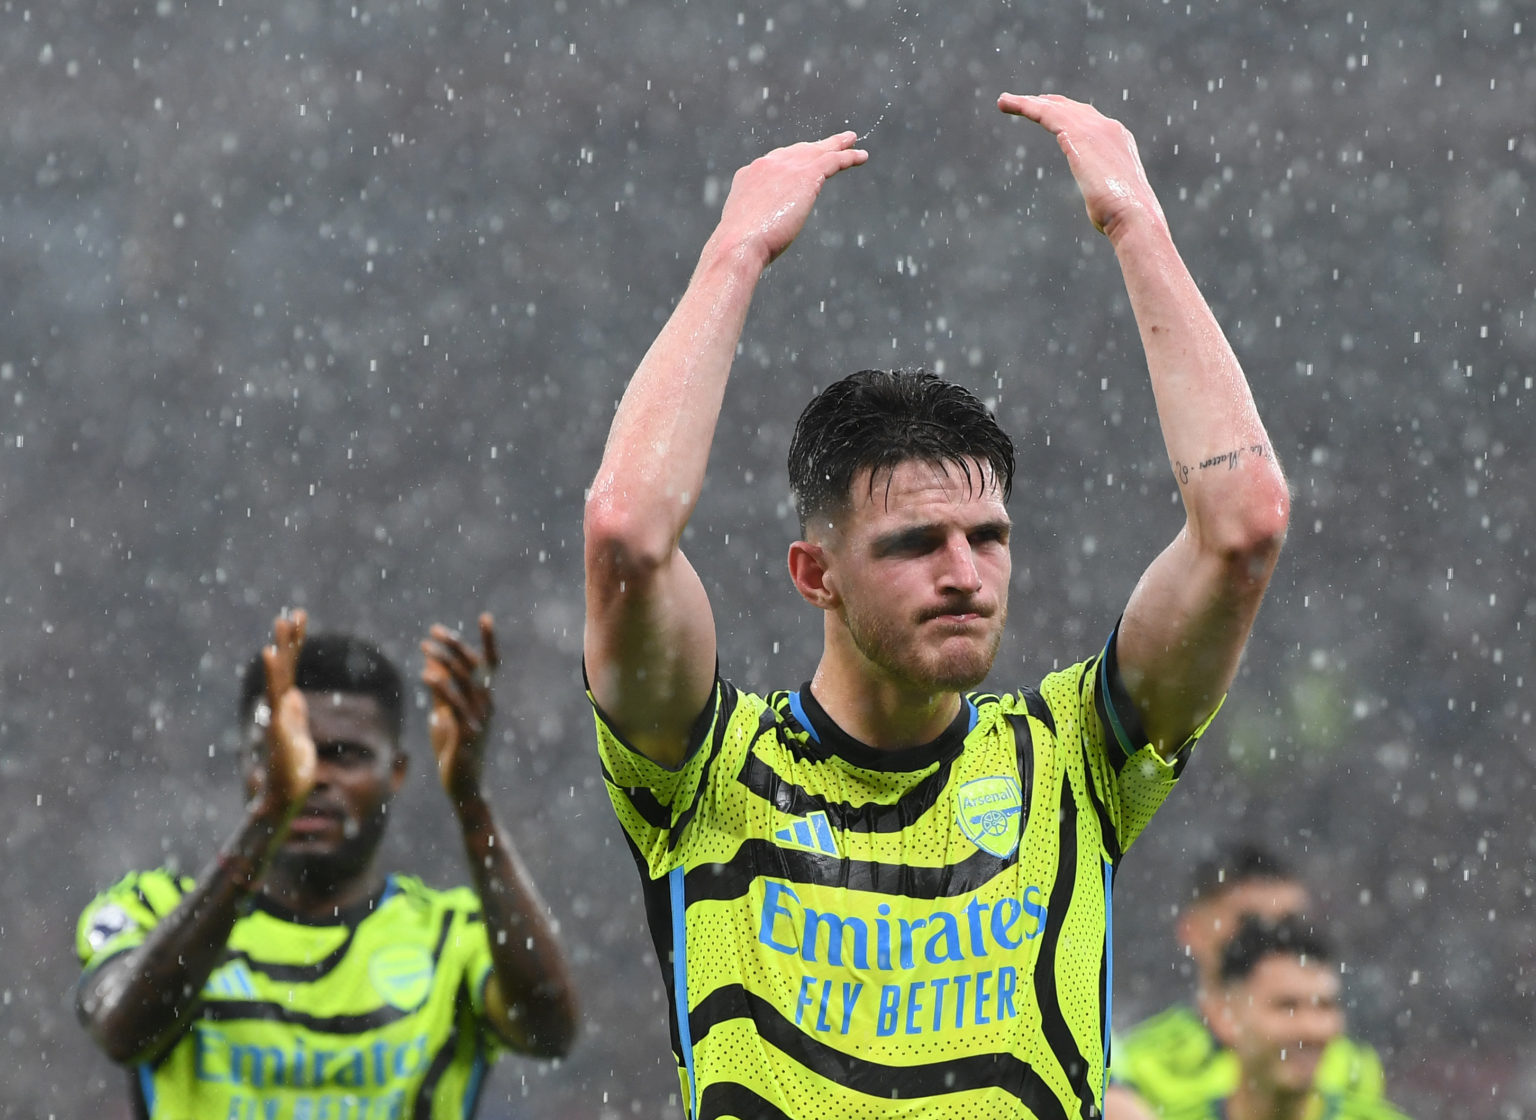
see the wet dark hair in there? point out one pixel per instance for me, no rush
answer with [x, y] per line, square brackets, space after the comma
[335, 663]
[1243, 862]
[1255, 939]
[875, 420]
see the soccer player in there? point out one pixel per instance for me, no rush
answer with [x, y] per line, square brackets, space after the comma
[1173, 1057]
[293, 978]
[1277, 1009]
[883, 893]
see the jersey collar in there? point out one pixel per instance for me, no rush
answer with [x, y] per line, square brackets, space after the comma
[809, 713]
[347, 916]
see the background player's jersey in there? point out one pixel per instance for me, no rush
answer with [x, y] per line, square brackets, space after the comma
[855, 933]
[1172, 1059]
[1325, 1106]
[376, 1014]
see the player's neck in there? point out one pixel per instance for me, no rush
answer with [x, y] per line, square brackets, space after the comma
[315, 896]
[1251, 1102]
[878, 712]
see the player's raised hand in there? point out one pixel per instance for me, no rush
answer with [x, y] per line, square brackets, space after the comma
[287, 776]
[1102, 155]
[772, 196]
[459, 682]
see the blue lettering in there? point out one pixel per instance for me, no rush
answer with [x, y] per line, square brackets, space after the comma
[890, 1002]
[883, 939]
[960, 985]
[836, 926]
[202, 1045]
[267, 1065]
[913, 1007]
[983, 997]
[949, 932]
[1007, 980]
[803, 1000]
[1036, 910]
[411, 1057]
[771, 911]
[939, 985]
[821, 1012]
[379, 1050]
[1004, 915]
[352, 1072]
[850, 997]
[906, 938]
[973, 911]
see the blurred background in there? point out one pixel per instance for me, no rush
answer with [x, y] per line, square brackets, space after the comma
[329, 305]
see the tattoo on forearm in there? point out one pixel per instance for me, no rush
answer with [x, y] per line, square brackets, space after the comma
[1227, 459]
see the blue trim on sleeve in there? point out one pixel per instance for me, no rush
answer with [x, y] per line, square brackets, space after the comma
[476, 1080]
[680, 980]
[147, 1087]
[1109, 966]
[1127, 748]
[391, 888]
[800, 717]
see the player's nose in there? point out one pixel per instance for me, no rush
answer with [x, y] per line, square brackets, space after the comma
[959, 571]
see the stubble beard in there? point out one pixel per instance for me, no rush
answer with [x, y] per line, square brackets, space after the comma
[326, 871]
[898, 653]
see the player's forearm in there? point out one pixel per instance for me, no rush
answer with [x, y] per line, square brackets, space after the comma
[1233, 489]
[537, 1004]
[653, 465]
[137, 1004]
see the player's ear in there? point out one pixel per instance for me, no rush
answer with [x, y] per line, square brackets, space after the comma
[808, 571]
[1218, 1010]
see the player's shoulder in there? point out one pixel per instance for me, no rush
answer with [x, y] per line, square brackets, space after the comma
[778, 715]
[1351, 1067]
[118, 915]
[1025, 701]
[1171, 1056]
[1178, 1021]
[1059, 694]
[156, 891]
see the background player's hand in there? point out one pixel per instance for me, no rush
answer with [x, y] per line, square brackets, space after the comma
[288, 773]
[772, 196]
[1102, 155]
[459, 682]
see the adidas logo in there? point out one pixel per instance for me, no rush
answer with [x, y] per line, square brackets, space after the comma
[812, 833]
[233, 979]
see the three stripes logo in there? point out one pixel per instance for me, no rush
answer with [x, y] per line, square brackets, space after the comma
[811, 833]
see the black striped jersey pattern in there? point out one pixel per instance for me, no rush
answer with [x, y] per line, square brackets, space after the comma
[858, 933]
[377, 1013]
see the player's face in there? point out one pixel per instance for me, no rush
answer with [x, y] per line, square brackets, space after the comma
[358, 769]
[1282, 1015]
[920, 567]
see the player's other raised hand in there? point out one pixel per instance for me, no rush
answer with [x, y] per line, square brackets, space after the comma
[287, 773]
[459, 682]
[772, 196]
[1102, 155]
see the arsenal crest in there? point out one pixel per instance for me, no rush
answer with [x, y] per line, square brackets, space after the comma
[990, 812]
